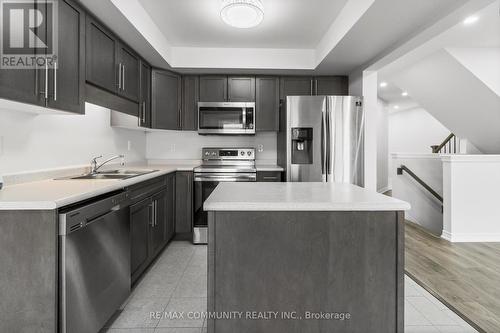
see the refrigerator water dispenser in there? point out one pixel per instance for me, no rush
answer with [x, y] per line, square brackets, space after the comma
[302, 147]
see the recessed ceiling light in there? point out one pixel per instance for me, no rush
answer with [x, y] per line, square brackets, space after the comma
[471, 19]
[383, 84]
[404, 93]
[396, 107]
[242, 13]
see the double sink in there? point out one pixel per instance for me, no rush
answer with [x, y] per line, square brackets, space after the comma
[112, 174]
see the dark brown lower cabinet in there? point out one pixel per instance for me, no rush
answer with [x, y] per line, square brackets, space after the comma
[184, 204]
[141, 218]
[158, 229]
[269, 176]
[152, 224]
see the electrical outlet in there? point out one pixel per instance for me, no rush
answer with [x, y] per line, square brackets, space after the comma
[260, 148]
[129, 145]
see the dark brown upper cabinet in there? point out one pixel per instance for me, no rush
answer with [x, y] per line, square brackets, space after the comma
[296, 86]
[218, 88]
[61, 86]
[112, 67]
[190, 98]
[102, 47]
[213, 88]
[240, 89]
[68, 76]
[129, 65]
[166, 100]
[331, 85]
[145, 96]
[311, 86]
[267, 103]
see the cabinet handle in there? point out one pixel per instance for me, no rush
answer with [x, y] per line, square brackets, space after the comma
[180, 118]
[143, 112]
[55, 81]
[119, 76]
[151, 215]
[123, 77]
[156, 212]
[316, 87]
[139, 117]
[311, 87]
[46, 92]
[270, 177]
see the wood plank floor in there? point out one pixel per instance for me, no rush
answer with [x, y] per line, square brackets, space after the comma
[464, 276]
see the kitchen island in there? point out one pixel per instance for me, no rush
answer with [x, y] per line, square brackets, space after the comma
[304, 257]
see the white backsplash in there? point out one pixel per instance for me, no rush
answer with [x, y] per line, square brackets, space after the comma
[31, 142]
[186, 145]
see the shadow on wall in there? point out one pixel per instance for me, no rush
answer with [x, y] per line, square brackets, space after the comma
[426, 210]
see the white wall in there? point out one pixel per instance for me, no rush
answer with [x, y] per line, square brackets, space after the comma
[382, 147]
[364, 83]
[484, 63]
[414, 131]
[173, 145]
[370, 105]
[32, 142]
[457, 97]
[471, 198]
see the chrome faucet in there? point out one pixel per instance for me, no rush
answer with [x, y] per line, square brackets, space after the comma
[94, 166]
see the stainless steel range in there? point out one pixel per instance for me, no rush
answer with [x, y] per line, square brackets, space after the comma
[219, 165]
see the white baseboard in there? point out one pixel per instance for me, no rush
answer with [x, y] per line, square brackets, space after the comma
[470, 238]
[384, 189]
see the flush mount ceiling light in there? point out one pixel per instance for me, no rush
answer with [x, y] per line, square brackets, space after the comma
[471, 19]
[242, 13]
[404, 93]
[383, 84]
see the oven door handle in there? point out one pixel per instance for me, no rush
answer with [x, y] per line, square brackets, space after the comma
[218, 178]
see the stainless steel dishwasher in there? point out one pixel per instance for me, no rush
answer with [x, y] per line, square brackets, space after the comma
[94, 262]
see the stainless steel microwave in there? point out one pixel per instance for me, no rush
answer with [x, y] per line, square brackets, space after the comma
[226, 118]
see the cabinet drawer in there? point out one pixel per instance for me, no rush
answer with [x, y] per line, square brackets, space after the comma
[147, 188]
[269, 176]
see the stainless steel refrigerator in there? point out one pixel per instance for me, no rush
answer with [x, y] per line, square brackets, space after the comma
[324, 139]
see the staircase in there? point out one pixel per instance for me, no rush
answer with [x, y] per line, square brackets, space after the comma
[450, 145]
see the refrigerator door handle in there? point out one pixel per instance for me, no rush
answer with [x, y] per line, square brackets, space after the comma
[323, 146]
[330, 162]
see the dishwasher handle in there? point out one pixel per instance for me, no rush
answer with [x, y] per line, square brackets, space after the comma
[77, 218]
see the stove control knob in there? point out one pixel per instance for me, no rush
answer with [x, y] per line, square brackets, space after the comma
[214, 153]
[249, 153]
[242, 153]
[207, 153]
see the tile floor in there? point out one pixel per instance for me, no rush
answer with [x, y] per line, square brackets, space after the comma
[177, 282]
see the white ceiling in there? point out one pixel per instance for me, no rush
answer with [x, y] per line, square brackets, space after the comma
[392, 96]
[385, 24]
[294, 24]
[485, 33]
[314, 36]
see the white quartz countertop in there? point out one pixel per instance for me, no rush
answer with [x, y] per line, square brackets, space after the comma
[299, 197]
[51, 194]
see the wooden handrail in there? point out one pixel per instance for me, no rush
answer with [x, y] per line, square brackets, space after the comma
[437, 149]
[420, 181]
